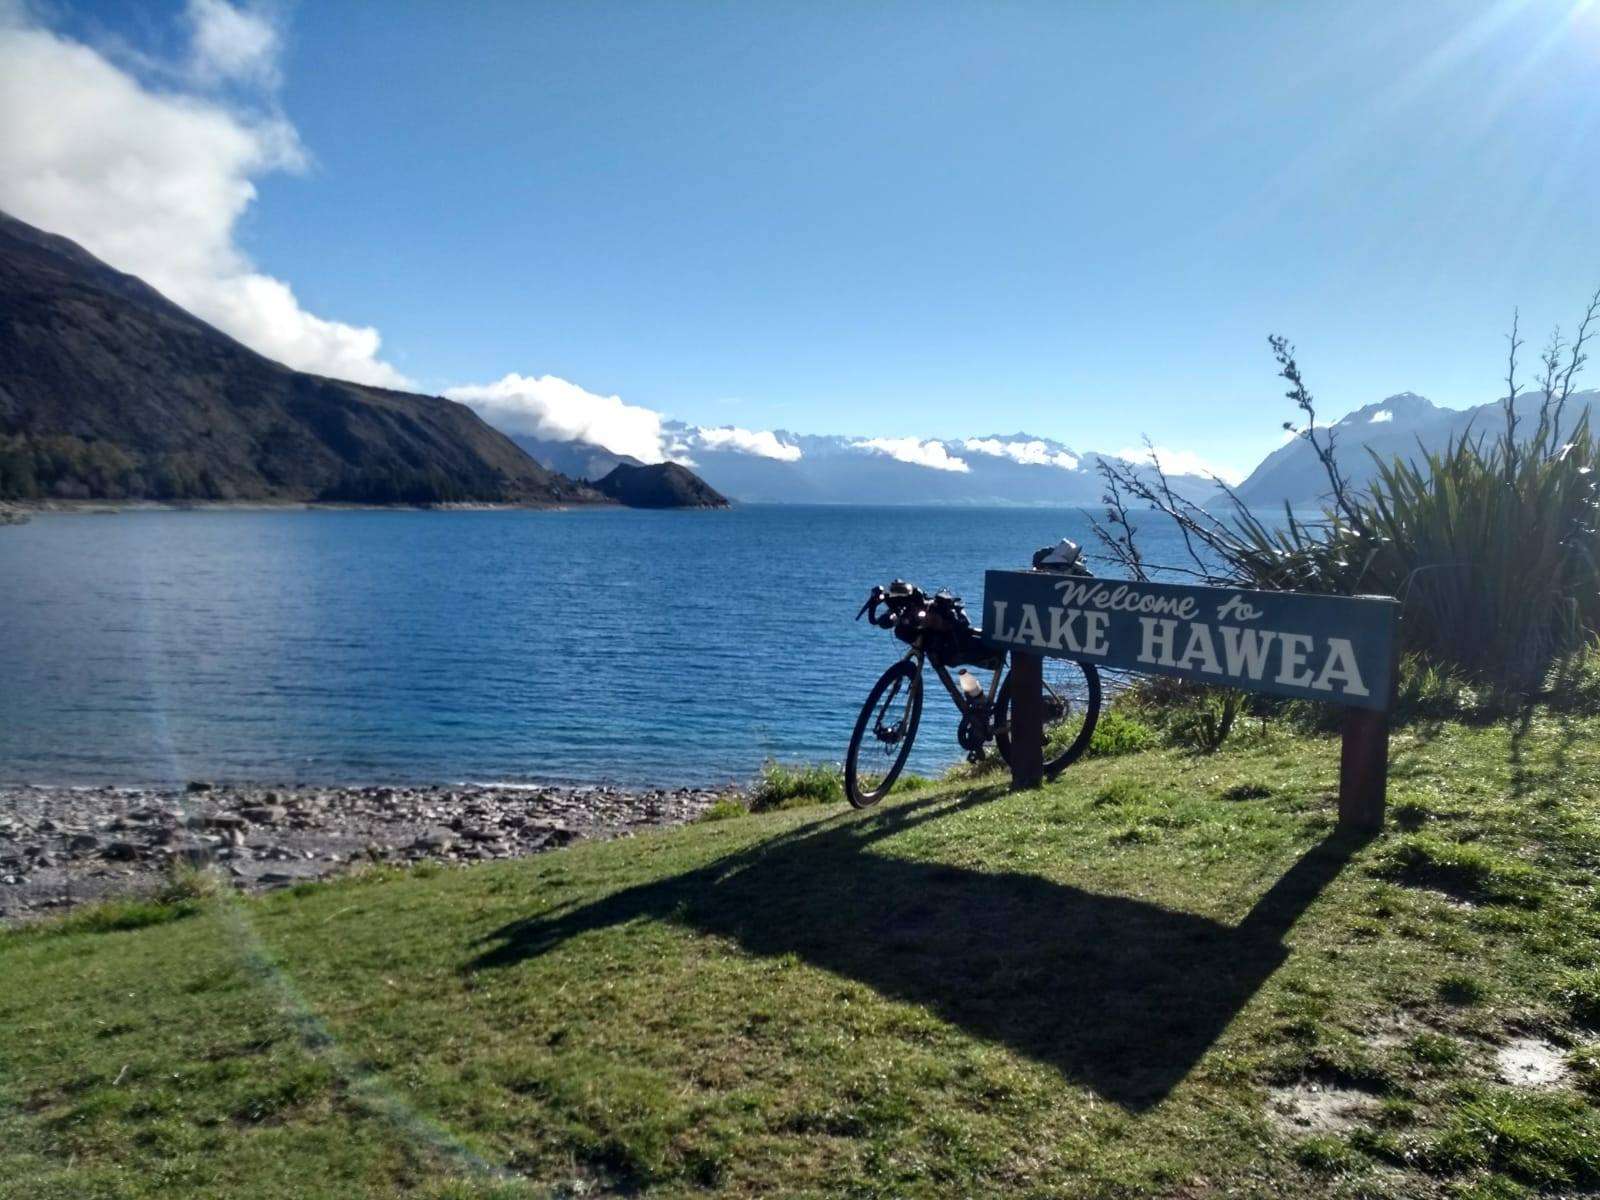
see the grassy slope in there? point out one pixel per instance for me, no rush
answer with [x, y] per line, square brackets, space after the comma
[1084, 991]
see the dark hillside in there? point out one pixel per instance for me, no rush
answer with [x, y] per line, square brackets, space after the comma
[108, 390]
[659, 485]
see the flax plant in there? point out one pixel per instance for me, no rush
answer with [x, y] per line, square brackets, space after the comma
[1492, 544]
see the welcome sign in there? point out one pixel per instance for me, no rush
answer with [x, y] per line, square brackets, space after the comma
[1337, 649]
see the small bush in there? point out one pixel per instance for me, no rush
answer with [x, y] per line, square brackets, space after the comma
[1467, 871]
[789, 786]
[1205, 725]
[1193, 716]
[189, 883]
[723, 810]
[1118, 732]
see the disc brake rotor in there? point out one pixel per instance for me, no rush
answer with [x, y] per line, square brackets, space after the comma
[893, 733]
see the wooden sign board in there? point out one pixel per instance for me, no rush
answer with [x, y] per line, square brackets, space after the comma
[1335, 649]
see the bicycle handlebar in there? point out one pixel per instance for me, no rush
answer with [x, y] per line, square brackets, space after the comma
[907, 604]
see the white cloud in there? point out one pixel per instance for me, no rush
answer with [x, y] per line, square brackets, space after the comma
[1180, 462]
[556, 410]
[1382, 415]
[1033, 454]
[762, 443]
[678, 452]
[154, 181]
[232, 45]
[918, 453]
[551, 408]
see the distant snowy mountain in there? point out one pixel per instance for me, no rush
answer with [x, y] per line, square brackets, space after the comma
[782, 467]
[1400, 426]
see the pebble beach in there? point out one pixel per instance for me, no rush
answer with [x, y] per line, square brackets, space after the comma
[63, 846]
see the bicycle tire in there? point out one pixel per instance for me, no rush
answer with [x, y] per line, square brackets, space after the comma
[1089, 699]
[907, 672]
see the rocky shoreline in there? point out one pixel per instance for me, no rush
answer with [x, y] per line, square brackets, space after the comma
[62, 846]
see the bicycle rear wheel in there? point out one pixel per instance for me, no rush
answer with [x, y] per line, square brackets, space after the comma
[1071, 708]
[883, 735]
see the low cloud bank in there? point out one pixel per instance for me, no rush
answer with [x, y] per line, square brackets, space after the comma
[761, 442]
[551, 408]
[1032, 454]
[1179, 462]
[930, 453]
[557, 410]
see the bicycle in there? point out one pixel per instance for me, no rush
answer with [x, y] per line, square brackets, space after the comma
[936, 630]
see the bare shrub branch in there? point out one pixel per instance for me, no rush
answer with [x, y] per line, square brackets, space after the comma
[1283, 352]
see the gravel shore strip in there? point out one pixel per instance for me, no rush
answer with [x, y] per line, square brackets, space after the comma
[62, 846]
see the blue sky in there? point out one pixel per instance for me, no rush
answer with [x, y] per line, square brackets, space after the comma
[940, 220]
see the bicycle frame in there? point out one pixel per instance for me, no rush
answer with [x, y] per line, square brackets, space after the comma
[943, 672]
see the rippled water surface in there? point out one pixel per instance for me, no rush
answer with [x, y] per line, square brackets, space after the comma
[351, 646]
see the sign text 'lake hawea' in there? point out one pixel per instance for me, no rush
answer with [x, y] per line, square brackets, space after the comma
[1337, 649]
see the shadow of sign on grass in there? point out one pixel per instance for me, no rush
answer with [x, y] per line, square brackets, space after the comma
[1119, 994]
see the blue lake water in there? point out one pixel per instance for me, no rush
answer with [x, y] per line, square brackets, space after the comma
[354, 646]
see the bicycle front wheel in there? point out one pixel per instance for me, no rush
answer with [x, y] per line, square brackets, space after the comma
[884, 732]
[1071, 708]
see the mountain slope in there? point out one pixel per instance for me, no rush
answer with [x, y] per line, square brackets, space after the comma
[577, 460]
[107, 389]
[1401, 426]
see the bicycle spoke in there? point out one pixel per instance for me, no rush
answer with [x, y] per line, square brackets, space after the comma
[880, 748]
[1070, 700]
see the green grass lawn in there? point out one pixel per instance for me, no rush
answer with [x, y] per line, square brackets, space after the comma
[1120, 985]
